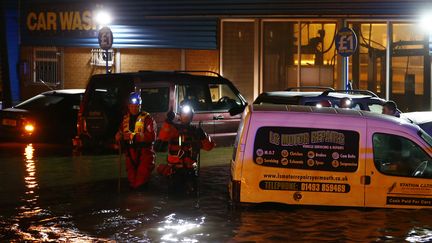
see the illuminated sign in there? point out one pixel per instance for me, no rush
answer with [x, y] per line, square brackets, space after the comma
[60, 21]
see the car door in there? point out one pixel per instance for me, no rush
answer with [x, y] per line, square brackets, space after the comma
[223, 98]
[398, 170]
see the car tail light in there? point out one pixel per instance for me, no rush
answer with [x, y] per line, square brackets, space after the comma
[28, 127]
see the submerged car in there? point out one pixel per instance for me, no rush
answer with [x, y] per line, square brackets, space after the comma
[49, 117]
[314, 96]
[422, 118]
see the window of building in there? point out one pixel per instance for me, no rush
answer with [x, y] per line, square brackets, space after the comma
[367, 65]
[398, 156]
[47, 66]
[238, 53]
[286, 63]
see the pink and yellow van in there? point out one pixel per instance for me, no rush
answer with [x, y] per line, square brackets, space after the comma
[303, 155]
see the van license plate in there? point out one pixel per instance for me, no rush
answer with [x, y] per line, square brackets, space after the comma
[9, 122]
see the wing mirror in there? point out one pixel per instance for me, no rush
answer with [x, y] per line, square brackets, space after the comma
[237, 109]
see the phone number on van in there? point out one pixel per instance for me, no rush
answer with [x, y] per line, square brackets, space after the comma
[304, 186]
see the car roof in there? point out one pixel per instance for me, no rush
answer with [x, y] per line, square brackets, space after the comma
[180, 76]
[64, 91]
[418, 117]
[287, 94]
[329, 111]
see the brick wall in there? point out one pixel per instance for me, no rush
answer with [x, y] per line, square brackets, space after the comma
[202, 60]
[78, 70]
[77, 67]
[133, 60]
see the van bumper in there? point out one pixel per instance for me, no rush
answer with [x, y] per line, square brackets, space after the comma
[234, 190]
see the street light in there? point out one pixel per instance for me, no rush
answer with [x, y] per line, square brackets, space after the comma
[103, 18]
[426, 21]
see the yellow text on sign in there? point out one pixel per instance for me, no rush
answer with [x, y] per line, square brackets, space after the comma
[64, 21]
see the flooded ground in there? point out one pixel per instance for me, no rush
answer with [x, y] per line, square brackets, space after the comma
[49, 195]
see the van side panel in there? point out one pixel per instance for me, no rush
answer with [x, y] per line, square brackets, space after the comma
[303, 159]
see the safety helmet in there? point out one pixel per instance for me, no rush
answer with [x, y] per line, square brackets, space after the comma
[186, 110]
[346, 102]
[135, 98]
[324, 103]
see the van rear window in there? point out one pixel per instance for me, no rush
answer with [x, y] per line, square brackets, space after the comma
[155, 99]
[307, 148]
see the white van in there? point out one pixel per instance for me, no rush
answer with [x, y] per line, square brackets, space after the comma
[303, 155]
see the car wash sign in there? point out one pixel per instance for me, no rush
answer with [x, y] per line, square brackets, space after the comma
[58, 23]
[346, 42]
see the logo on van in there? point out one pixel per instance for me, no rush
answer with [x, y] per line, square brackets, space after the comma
[307, 148]
[259, 160]
[259, 152]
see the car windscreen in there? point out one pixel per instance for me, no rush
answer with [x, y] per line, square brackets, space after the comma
[427, 127]
[40, 102]
[376, 108]
[155, 99]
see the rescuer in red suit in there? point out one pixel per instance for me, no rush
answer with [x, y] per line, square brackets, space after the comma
[137, 134]
[184, 143]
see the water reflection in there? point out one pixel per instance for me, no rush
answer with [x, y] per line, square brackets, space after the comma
[76, 199]
[30, 181]
[174, 229]
[419, 234]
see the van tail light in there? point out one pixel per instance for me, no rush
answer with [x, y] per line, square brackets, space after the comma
[235, 191]
[81, 124]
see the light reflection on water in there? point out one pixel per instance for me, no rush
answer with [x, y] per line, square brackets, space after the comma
[30, 181]
[173, 228]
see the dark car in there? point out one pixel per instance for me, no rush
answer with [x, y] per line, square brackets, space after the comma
[105, 101]
[50, 116]
[311, 96]
[422, 118]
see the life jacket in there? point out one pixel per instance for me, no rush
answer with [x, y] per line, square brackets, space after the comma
[183, 149]
[139, 125]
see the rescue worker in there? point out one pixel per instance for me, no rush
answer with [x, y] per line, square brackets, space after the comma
[137, 134]
[390, 108]
[184, 143]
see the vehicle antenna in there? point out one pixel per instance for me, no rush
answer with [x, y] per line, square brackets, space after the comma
[49, 87]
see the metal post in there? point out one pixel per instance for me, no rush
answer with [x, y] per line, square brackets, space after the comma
[299, 55]
[347, 73]
[118, 61]
[106, 60]
[388, 59]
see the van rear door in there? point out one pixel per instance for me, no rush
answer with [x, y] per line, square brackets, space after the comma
[315, 161]
[399, 170]
[105, 104]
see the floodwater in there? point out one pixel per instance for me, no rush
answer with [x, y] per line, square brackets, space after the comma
[49, 195]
